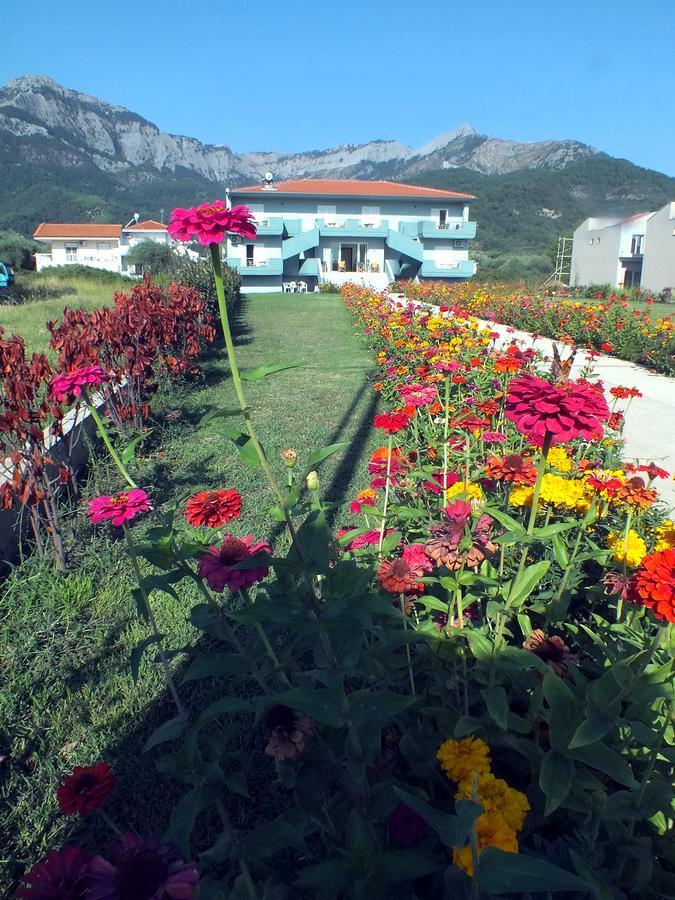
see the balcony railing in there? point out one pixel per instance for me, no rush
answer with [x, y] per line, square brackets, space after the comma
[352, 227]
[449, 230]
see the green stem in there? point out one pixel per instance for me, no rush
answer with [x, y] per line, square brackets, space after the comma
[541, 470]
[407, 646]
[236, 378]
[446, 427]
[182, 712]
[108, 443]
[262, 634]
[386, 496]
[629, 517]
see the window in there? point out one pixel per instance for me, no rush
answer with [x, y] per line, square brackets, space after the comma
[103, 245]
[249, 255]
[323, 209]
[371, 215]
[71, 252]
[636, 244]
[442, 218]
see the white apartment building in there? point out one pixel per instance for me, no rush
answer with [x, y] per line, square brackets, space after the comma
[99, 246]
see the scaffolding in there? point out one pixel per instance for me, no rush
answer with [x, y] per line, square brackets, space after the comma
[563, 262]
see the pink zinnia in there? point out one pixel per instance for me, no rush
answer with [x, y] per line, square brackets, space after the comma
[73, 384]
[217, 566]
[458, 513]
[493, 437]
[119, 508]
[369, 539]
[441, 482]
[417, 394]
[210, 222]
[565, 412]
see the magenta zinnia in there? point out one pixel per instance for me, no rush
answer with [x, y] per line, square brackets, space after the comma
[566, 411]
[141, 868]
[60, 875]
[210, 222]
[217, 566]
[119, 508]
[65, 387]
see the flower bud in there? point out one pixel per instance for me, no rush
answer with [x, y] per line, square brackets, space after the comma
[289, 457]
[313, 481]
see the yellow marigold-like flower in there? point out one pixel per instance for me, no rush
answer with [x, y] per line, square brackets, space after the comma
[665, 535]
[569, 493]
[460, 759]
[521, 495]
[472, 492]
[559, 459]
[491, 831]
[631, 551]
[496, 796]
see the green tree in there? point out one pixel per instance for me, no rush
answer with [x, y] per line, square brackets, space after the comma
[152, 257]
[17, 250]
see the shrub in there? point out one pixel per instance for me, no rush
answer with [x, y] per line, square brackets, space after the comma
[197, 274]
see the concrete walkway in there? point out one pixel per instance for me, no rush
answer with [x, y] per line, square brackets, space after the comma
[649, 431]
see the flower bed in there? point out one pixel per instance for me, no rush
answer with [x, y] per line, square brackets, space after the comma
[611, 326]
[465, 692]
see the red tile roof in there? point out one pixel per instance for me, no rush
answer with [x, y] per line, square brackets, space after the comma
[76, 230]
[146, 225]
[350, 188]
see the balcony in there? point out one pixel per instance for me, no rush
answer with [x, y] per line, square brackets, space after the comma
[462, 268]
[352, 228]
[449, 231]
[270, 227]
[260, 267]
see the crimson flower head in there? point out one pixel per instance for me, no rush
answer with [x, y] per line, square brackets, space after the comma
[417, 394]
[217, 566]
[210, 222]
[458, 512]
[86, 789]
[119, 508]
[137, 867]
[654, 471]
[391, 422]
[60, 875]
[65, 387]
[213, 508]
[567, 411]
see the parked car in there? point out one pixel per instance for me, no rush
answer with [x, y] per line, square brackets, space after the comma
[6, 275]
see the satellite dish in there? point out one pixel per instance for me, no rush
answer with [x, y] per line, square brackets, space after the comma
[268, 177]
[137, 216]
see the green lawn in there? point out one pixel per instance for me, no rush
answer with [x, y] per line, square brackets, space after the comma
[28, 319]
[68, 696]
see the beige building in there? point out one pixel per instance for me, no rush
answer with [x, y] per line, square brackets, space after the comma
[658, 266]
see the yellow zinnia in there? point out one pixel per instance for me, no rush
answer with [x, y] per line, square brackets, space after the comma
[631, 550]
[460, 759]
[491, 831]
[496, 796]
[665, 535]
[559, 459]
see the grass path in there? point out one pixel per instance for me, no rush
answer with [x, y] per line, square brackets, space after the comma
[68, 697]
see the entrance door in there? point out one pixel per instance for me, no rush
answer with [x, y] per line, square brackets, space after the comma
[347, 257]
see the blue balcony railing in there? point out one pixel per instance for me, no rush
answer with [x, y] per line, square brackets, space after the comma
[272, 266]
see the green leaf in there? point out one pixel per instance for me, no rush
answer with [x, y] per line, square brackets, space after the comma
[139, 650]
[185, 812]
[479, 643]
[512, 525]
[449, 828]
[377, 706]
[129, 452]
[268, 839]
[317, 703]
[329, 876]
[221, 414]
[263, 371]
[403, 865]
[592, 729]
[497, 705]
[551, 530]
[563, 715]
[319, 455]
[601, 757]
[244, 447]
[314, 538]
[518, 873]
[527, 581]
[391, 542]
[168, 731]
[560, 553]
[214, 665]
[223, 707]
[555, 779]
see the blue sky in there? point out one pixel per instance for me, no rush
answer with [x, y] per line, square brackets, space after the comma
[289, 75]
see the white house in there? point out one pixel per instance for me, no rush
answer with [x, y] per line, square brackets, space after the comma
[340, 230]
[99, 246]
[658, 266]
[609, 250]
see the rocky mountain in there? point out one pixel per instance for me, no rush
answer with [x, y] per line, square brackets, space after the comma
[69, 156]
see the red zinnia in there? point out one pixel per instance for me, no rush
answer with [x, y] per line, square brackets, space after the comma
[217, 566]
[86, 790]
[565, 412]
[515, 469]
[213, 508]
[654, 583]
[119, 508]
[391, 422]
[210, 222]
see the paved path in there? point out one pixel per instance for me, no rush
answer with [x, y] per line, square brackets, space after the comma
[649, 431]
